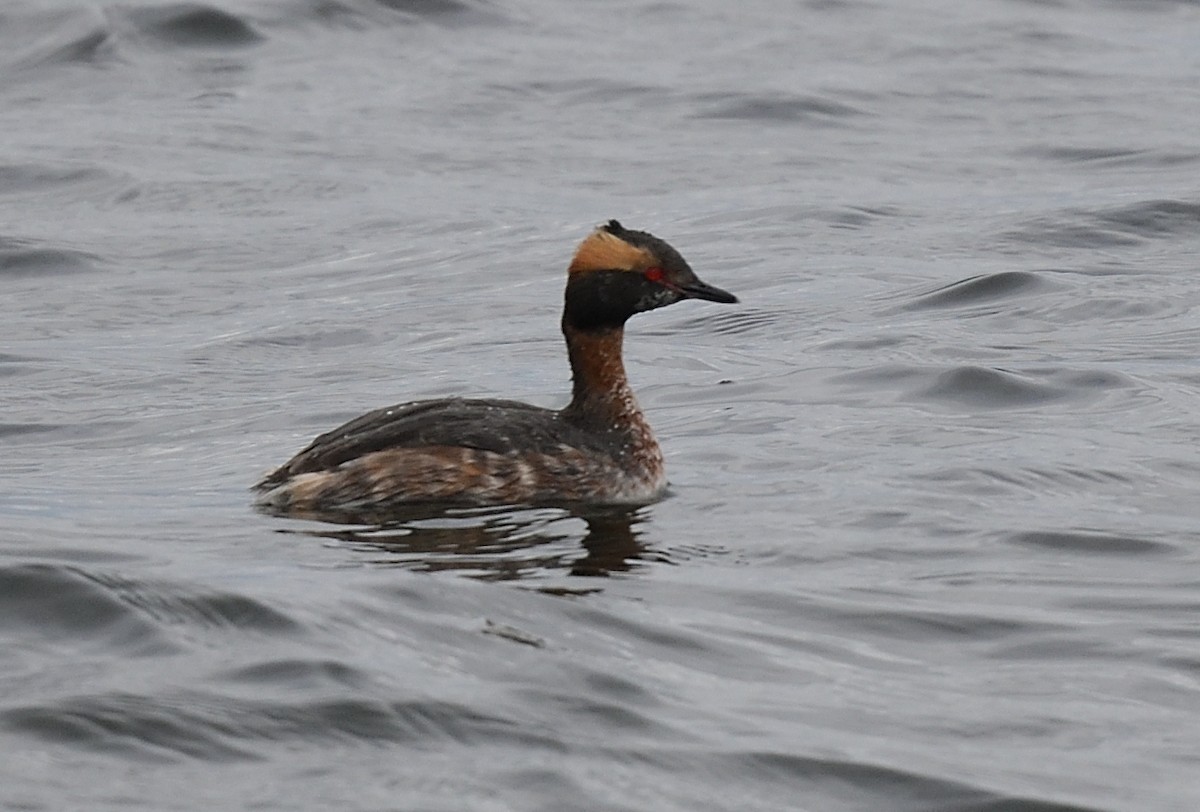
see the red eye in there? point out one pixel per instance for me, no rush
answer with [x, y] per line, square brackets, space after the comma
[655, 274]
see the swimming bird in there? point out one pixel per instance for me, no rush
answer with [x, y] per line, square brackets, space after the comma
[597, 450]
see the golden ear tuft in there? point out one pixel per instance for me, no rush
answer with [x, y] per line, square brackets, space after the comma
[602, 251]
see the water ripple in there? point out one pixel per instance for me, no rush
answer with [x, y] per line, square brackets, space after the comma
[1089, 542]
[442, 10]
[173, 605]
[87, 603]
[990, 387]
[931, 625]
[219, 728]
[300, 674]
[863, 785]
[23, 258]
[1114, 156]
[749, 320]
[980, 289]
[782, 108]
[191, 25]
[12, 366]
[90, 44]
[594, 90]
[9, 430]
[19, 180]
[1034, 480]
[64, 602]
[1111, 228]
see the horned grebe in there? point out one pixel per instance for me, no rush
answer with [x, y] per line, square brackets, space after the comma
[597, 450]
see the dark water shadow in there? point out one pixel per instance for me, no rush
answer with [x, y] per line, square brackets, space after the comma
[192, 25]
[1087, 542]
[23, 258]
[784, 108]
[500, 544]
[1119, 227]
[979, 290]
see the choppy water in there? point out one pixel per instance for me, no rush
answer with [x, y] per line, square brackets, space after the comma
[933, 536]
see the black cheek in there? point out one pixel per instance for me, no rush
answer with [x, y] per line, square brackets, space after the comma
[659, 297]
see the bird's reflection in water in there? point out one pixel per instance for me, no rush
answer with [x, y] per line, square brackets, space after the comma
[499, 544]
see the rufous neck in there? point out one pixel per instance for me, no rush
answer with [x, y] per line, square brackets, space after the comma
[600, 389]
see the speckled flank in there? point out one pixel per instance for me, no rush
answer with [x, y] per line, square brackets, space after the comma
[467, 476]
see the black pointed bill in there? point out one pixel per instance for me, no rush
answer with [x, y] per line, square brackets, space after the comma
[702, 290]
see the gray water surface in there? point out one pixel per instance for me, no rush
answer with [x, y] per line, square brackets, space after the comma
[932, 540]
